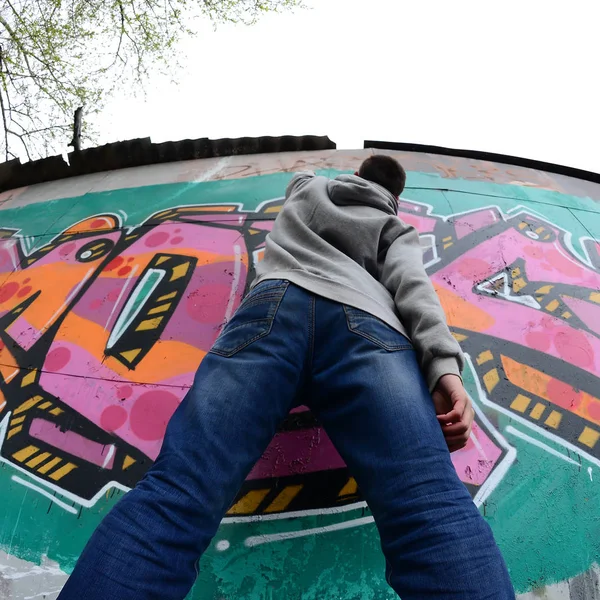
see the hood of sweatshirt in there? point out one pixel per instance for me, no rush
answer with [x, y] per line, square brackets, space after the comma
[347, 190]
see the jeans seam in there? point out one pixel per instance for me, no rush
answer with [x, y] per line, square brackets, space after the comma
[261, 298]
[388, 573]
[261, 294]
[252, 322]
[259, 301]
[230, 353]
[271, 284]
[352, 324]
[390, 348]
[311, 330]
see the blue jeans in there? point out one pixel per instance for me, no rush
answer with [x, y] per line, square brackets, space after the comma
[361, 380]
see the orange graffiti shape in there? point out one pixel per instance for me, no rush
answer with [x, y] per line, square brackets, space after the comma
[461, 313]
[553, 390]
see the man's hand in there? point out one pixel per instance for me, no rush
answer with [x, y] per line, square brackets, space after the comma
[454, 411]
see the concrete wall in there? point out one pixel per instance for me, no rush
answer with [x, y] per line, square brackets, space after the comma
[112, 290]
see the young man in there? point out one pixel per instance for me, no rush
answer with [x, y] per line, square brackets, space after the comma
[341, 317]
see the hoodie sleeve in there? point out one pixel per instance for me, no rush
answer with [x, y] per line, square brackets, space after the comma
[418, 306]
[297, 181]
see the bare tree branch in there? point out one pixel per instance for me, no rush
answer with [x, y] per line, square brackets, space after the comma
[21, 138]
[6, 151]
[76, 141]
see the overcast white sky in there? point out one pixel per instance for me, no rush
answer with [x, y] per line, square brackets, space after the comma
[515, 77]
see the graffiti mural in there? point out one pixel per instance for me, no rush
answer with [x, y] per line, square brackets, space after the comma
[112, 307]
[107, 310]
[526, 309]
[118, 306]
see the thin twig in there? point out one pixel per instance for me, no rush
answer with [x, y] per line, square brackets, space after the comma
[43, 61]
[20, 136]
[5, 127]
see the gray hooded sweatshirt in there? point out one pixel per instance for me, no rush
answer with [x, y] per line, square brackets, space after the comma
[342, 239]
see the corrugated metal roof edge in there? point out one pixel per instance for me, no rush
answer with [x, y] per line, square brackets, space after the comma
[139, 152]
[489, 156]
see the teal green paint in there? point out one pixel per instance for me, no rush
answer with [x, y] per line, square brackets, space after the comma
[544, 513]
[501, 190]
[343, 564]
[44, 527]
[140, 203]
[591, 221]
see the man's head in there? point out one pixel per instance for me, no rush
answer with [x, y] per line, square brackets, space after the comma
[385, 171]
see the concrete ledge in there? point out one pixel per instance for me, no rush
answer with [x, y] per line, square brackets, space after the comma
[539, 165]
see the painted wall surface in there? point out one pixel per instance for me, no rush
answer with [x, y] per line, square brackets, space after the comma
[114, 286]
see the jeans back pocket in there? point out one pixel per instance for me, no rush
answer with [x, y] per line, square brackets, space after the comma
[375, 330]
[253, 319]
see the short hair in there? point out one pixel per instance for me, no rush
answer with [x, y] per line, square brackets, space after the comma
[384, 170]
